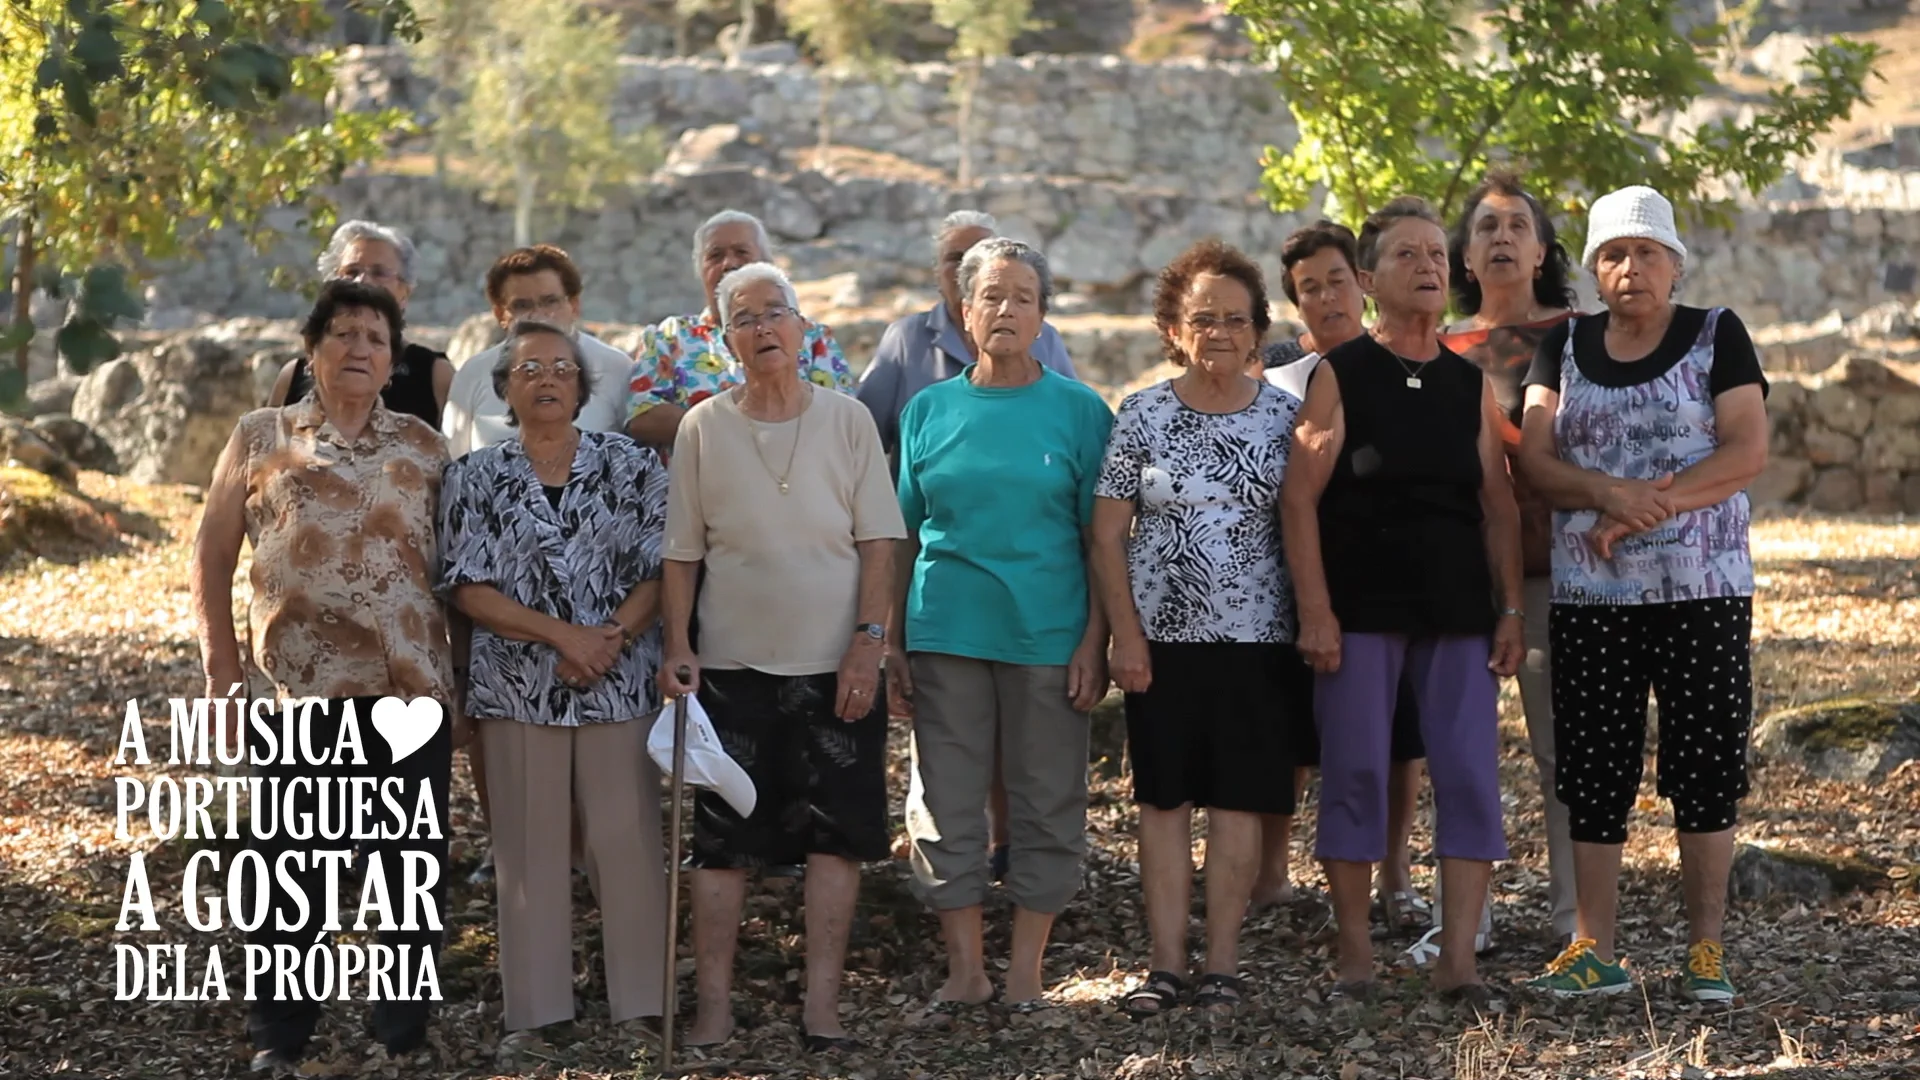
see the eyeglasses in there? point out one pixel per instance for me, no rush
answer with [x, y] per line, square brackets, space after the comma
[1206, 324]
[369, 273]
[534, 369]
[523, 308]
[747, 320]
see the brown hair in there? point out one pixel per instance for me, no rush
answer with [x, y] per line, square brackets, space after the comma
[1206, 257]
[1550, 288]
[1378, 222]
[1304, 244]
[532, 260]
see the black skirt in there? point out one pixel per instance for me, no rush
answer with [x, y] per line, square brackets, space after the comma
[1214, 728]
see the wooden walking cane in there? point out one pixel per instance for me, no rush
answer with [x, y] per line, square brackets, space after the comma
[671, 1007]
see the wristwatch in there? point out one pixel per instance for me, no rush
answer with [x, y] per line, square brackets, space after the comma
[873, 630]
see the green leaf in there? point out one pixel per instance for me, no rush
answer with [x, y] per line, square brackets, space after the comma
[105, 295]
[13, 386]
[78, 96]
[45, 126]
[47, 76]
[214, 14]
[98, 49]
[86, 343]
[12, 336]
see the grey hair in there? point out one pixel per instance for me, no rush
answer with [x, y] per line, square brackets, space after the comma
[351, 231]
[503, 367]
[719, 221]
[964, 219]
[751, 274]
[997, 249]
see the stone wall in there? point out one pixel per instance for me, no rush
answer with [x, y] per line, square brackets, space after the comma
[1105, 240]
[1190, 126]
[1843, 440]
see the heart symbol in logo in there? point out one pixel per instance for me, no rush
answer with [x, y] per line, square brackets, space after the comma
[406, 725]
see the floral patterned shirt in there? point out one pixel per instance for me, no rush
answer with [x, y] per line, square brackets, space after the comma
[684, 360]
[345, 553]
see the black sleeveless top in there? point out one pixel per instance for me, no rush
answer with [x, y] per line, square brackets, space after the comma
[1400, 518]
[410, 391]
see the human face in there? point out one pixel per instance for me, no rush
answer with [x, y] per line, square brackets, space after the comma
[953, 248]
[543, 385]
[1635, 275]
[763, 330]
[536, 296]
[729, 248]
[375, 262]
[1409, 275]
[1503, 244]
[1330, 300]
[1215, 332]
[354, 358]
[1002, 316]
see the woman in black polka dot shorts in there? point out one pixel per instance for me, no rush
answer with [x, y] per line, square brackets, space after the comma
[1644, 425]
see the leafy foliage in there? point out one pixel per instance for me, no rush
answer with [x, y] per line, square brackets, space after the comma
[1400, 97]
[845, 36]
[983, 30]
[535, 118]
[123, 125]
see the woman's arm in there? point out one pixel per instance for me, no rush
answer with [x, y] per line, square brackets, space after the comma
[1107, 559]
[1087, 670]
[1501, 528]
[859, 675]
[1740, 425]
[1639, 503]
[591, 648]
[216, 552]
[442, 380]
[1318, 434]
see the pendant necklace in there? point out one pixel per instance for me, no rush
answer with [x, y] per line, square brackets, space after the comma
[779, 478]
[1413, 372]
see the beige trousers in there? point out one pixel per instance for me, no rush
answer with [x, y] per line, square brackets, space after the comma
[535, 774]
[960, 707]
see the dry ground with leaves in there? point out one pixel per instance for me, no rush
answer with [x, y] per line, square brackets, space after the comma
[1829, 992]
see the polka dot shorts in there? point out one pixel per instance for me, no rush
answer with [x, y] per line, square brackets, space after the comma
[1696, 657]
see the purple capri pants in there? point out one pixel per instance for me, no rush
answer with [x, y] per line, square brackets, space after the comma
[1458, 699]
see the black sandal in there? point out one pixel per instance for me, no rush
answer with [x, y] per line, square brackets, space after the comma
[1219, 993]
[1159, 995]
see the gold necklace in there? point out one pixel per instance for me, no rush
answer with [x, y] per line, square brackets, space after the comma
[779, 478]
[548, 463]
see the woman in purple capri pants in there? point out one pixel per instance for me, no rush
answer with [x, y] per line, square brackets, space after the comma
[1404, 545]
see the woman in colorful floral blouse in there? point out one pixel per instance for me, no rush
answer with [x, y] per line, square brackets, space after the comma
[683, 360]
[338, 495]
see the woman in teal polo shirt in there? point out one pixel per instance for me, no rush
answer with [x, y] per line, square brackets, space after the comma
[1003, 636]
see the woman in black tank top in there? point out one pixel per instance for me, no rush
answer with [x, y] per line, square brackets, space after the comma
[1399, 521]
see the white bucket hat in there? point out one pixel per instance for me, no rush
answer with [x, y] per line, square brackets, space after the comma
[1637, 211]
[708, 765]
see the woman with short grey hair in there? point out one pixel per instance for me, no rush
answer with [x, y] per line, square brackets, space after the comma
[381, 256]
[780, 496]
[1005, 644]
[552, 549]
[684, 360]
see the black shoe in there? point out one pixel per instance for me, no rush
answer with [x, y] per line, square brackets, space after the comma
[406, 1042]
[275, 1063]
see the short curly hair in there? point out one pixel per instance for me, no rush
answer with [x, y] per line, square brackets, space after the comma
[532, 260]
[1206, 257]
[1304, 244]
[1385, 218]
[341, 294]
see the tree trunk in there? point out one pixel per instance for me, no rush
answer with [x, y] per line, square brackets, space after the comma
[969, 85]
[749, 16]
[825, 162]
[23, 288]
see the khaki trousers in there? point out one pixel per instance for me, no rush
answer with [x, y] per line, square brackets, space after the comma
[961, 706]
[535, 774]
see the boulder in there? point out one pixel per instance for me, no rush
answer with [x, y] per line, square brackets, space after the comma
[722, 146]
[1836, 491]
[1783, 480]
[53, 395]
[1910, 494]
[20, 443]
[1891, 448]
[1839, 407]
[1760, 873]
[1855, 739]
[168, 411]
[76, 442]
[1778, 57]
[1881, 492]
[1827, 447]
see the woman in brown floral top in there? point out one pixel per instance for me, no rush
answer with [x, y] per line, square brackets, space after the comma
[338, 496]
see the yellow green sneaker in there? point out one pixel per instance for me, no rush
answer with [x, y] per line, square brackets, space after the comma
[1707, 973]
[1577, 972]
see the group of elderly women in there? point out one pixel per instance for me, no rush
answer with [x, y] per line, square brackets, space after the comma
[1316, 552]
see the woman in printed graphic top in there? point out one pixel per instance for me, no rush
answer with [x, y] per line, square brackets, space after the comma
[1644, 426]
[1400, 530]
[1318, 275]
[1187, 557]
